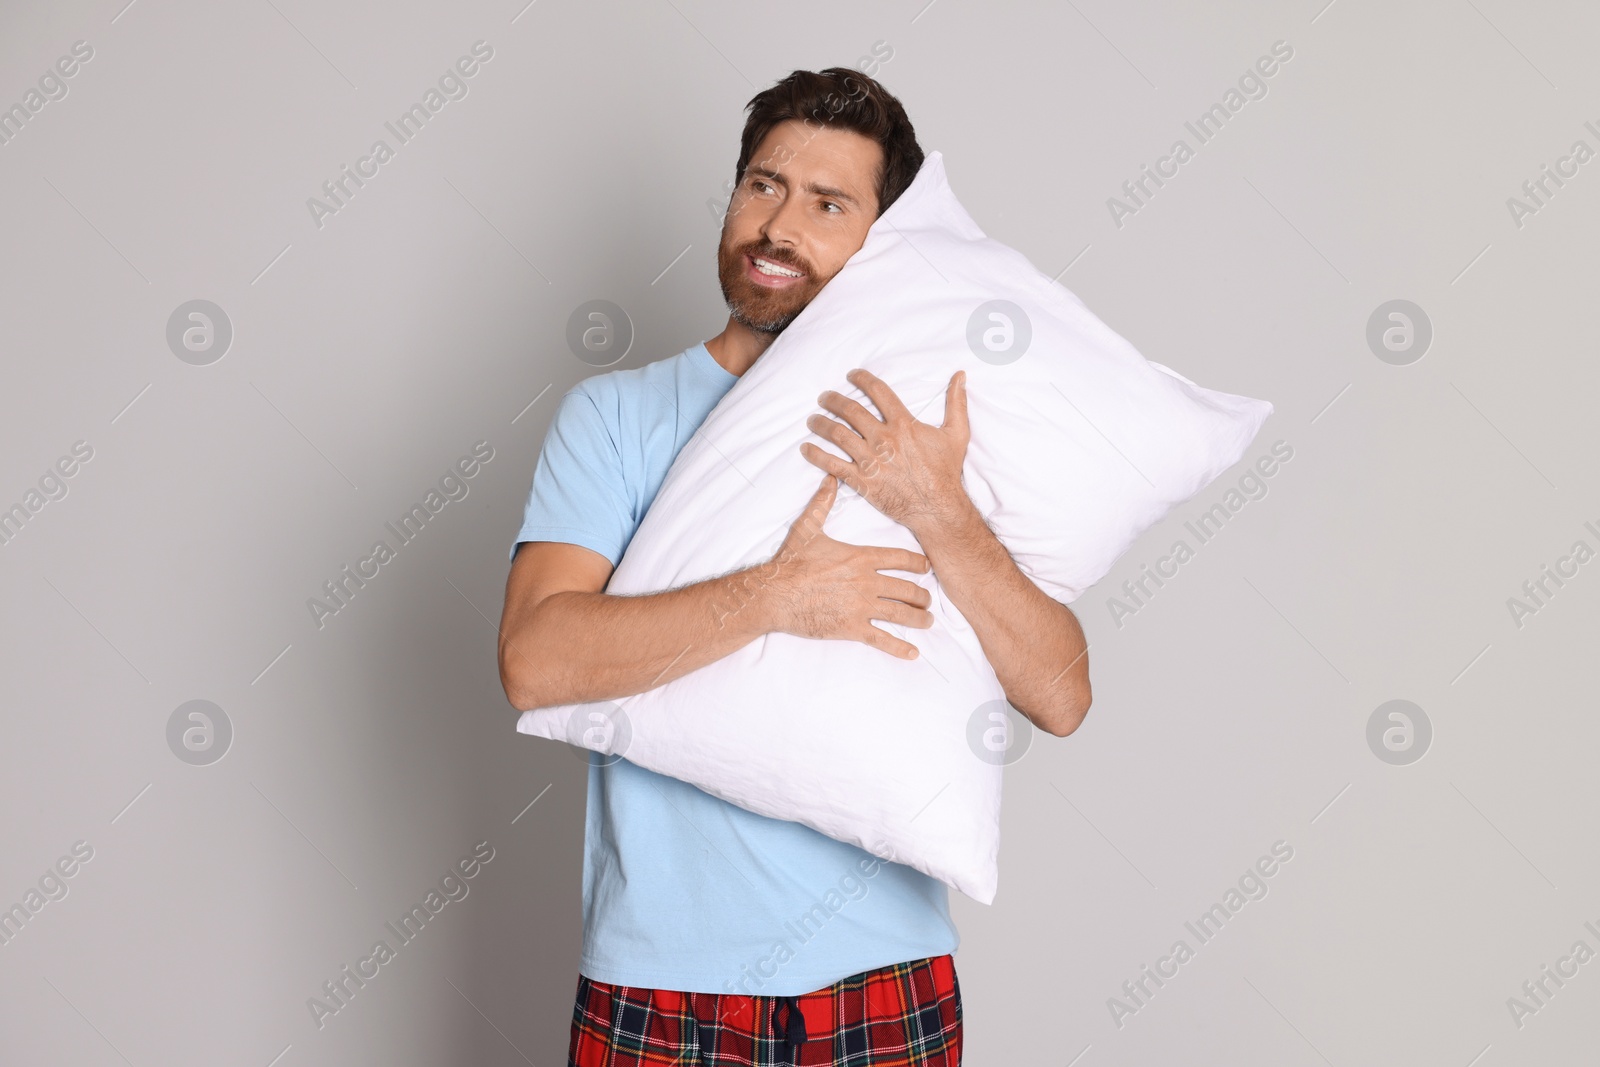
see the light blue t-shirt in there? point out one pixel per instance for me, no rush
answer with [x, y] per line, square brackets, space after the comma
[682, 890]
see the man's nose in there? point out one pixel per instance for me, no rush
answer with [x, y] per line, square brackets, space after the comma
[783, 225]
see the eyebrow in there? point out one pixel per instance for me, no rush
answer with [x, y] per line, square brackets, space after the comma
[811, 187]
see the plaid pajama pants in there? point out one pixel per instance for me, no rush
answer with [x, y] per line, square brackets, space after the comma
[904, 1015]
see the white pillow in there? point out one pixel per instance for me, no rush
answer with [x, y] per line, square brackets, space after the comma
[1078, 445]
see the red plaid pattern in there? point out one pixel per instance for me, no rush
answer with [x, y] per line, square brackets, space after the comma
[905, 1015]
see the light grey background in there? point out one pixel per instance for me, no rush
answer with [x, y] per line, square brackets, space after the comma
[369, 354]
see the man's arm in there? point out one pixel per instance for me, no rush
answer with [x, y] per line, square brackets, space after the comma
[563, 641]
[1034, 643]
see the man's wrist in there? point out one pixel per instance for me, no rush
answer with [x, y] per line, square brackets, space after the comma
[955, 518]
[745, 600]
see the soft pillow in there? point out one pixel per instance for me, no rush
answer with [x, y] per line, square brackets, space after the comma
[1078, 444]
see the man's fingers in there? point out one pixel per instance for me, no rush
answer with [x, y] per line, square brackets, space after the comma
[821, 501]
[903, 614]
[905, 592]
[900, 559]
[889, 643]
[955, 402]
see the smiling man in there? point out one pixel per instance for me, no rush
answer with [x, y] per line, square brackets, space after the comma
[706, 939]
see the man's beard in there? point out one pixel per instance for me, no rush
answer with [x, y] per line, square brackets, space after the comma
[768, 311]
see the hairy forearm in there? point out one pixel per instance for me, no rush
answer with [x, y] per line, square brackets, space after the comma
[1034, 643]
[577, 647]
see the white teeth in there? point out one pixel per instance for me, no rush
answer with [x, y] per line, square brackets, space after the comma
[766, 266]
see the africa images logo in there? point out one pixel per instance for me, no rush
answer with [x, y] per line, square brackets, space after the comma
[452, 86]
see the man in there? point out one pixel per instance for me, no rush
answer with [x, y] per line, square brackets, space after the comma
[704, 941]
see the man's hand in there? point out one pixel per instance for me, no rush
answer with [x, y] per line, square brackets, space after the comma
[911, 472]
[817, 587]
[908, 470]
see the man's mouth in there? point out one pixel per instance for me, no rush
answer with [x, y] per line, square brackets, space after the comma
[772, 273]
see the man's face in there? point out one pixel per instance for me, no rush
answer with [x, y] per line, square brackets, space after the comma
[808, 197]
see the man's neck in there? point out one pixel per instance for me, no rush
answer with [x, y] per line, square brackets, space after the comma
[737, 347]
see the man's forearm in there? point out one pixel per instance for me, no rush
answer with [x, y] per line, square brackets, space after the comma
[578, 647]
[1034, 643]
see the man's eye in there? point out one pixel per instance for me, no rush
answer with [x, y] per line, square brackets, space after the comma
[830, 203]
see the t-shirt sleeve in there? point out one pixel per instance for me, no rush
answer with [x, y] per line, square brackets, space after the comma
[579, 495]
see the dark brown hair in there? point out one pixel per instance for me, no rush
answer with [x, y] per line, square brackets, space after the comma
[842, 99]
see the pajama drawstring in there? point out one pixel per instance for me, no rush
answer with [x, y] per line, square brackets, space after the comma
[795, 1034]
